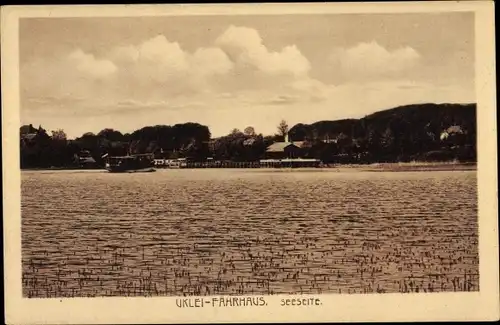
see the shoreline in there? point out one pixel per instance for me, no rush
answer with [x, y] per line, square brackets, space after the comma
[410, 166]
[375, 167]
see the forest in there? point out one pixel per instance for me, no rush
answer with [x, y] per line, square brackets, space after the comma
[421, 132]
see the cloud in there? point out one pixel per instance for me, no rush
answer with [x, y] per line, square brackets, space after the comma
[158, 69]
[160, 62]
[211, 61]
[371, 60]
[87, 64]
[279, 100]
[169, 59]
[123, 55]
[74, 76]
[166, 54]
[245, 47]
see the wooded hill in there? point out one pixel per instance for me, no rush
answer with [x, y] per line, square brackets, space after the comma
[426, 132]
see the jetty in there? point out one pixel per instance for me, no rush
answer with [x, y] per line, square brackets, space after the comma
[264, 163]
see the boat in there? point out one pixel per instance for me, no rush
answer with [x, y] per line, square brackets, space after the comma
[130, 163]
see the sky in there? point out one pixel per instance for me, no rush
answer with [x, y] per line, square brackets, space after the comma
[86, 74]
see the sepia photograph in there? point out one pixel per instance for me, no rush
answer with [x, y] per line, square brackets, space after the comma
[237, 161]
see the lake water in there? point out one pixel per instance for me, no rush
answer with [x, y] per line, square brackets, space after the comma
[222, 231]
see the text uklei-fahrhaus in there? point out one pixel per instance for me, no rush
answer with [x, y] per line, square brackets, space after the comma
[255, 301]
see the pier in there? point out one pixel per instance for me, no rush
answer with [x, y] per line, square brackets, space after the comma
[265, 163]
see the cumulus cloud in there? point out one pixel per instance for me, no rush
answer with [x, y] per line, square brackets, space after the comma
[74, 76]
[245, 47]
[371, 60]
[211, 61]
[162, 61]
[87, 64]
[123, 55]
[166, 54]
[159, 69]
[169, 58]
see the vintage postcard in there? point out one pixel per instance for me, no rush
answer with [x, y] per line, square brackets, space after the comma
[249, 163]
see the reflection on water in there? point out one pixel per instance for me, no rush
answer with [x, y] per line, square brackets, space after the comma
[209, 232]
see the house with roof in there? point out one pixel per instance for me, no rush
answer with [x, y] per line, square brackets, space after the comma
[27, 129]
[85, 160]
[28, 137]
[454, 130]
[28, 134]
[285, 150]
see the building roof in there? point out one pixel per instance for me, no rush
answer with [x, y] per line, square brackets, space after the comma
[454, 129]
[29, 136]
[249, 142]
[25, 129]
[280, 146]
[87, 160]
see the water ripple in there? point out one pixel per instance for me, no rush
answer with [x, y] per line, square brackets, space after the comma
[206, 232]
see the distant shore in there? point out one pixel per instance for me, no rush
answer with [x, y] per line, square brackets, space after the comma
[375, 167]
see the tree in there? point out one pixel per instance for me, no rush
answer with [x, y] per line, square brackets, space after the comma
[387, 142]
[299, 132]
[283, 128]
[59, 135]
[235, 131]
[42, 134]
[249, 131]
[111, 135]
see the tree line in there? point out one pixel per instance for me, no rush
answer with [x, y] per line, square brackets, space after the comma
[416, 132]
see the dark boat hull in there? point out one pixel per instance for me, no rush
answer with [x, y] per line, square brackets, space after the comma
[130, 164]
